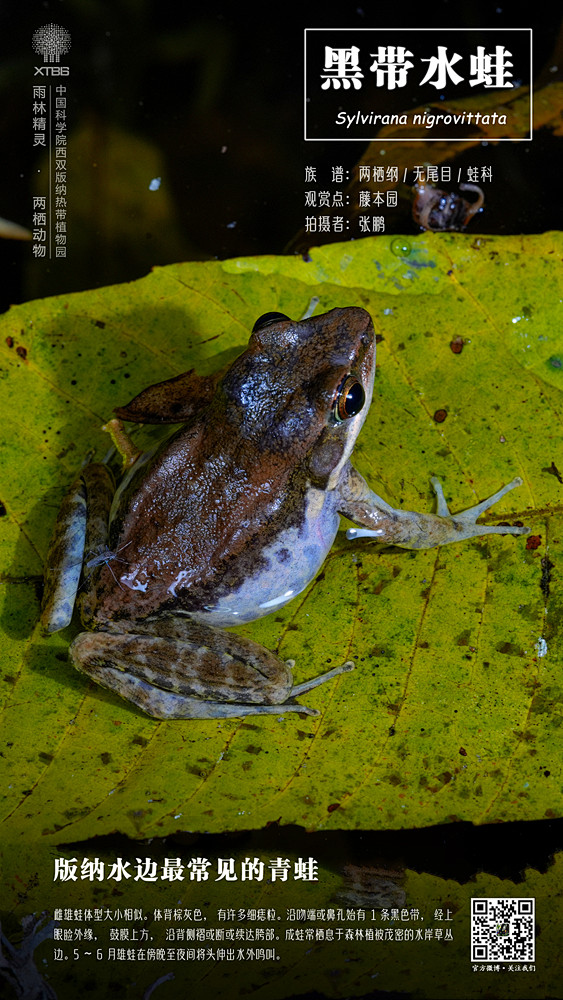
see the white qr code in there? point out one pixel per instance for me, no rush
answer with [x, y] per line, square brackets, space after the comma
[502, 930]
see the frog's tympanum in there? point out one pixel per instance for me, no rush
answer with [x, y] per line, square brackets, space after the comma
[228, 520]
[441, 211]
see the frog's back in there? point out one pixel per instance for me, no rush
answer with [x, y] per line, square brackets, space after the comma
[226, 538]
[237, 512]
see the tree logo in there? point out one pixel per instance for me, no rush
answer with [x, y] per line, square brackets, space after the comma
[51, 41]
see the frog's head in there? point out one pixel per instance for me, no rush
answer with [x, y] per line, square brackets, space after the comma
[303, 388]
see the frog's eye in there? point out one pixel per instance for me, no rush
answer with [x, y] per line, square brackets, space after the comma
[349, 399]
[267, 319]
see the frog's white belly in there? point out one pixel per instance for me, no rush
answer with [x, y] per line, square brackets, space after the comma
[289, 563]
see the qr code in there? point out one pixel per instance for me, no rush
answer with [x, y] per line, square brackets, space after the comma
[502, 930]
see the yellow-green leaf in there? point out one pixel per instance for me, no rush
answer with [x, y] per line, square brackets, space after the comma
[454, 706]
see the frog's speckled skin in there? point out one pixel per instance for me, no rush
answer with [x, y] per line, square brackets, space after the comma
[228, 520]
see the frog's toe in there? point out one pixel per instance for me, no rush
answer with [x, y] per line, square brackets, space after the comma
[442, 508]
[468, 518]
[328, 676]
[353, 533]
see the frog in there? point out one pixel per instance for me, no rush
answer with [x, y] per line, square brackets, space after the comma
[226, 520]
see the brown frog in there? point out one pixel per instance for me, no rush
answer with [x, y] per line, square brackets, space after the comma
[227, 520]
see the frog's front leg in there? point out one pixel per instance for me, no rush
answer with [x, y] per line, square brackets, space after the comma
[175, 668]
[410, 529]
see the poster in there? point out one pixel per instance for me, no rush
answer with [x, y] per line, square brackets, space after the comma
[178, 174]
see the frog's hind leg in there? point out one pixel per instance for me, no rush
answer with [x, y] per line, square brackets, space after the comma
[170, 705]
[64, 560]
[81, 526]
[175, 668]
[100, 489]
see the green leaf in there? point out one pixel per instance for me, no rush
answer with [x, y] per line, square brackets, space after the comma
[454, 706]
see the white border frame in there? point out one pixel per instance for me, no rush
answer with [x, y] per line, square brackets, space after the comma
[387, 139]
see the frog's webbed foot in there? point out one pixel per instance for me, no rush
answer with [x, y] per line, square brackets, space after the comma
[184, 670]
[465, 523]
[418, 531]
